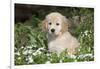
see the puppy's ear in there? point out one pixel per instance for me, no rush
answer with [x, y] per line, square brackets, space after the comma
[65, 24]
[44, 25]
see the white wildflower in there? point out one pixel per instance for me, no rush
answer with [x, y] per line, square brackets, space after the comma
[19, 58]
[48, 54]
[30, 51]
[86, 32]
[81, 32]
[25, 52]
[34, 45]
[42, 48]
[89, 49]
[34, 53]
[30, 59]
[30, 47]
[26, 59]
[17, 53]
[60, 61]
[48, 62]
[22, 47]
[82, 35]
[15, 48]
[37, 52]
[75, 60]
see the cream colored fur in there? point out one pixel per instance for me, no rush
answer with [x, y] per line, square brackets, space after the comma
[61, 39]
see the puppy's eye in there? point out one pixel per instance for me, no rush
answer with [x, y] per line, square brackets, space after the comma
[57, 23]
[50, 23]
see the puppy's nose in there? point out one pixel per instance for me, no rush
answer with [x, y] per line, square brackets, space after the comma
[52, 30]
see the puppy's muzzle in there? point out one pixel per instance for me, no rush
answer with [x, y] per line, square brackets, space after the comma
[52, 30]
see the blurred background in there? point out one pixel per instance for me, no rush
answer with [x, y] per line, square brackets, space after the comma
[31, 43]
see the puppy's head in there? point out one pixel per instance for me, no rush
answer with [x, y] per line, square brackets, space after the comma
[55, 23]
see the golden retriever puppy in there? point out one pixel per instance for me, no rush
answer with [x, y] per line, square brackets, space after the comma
[59, 38]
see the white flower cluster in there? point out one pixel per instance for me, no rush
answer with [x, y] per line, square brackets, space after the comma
[30, 53]
[38, 51]
[86, 55]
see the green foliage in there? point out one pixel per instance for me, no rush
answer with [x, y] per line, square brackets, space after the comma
[31, 42]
